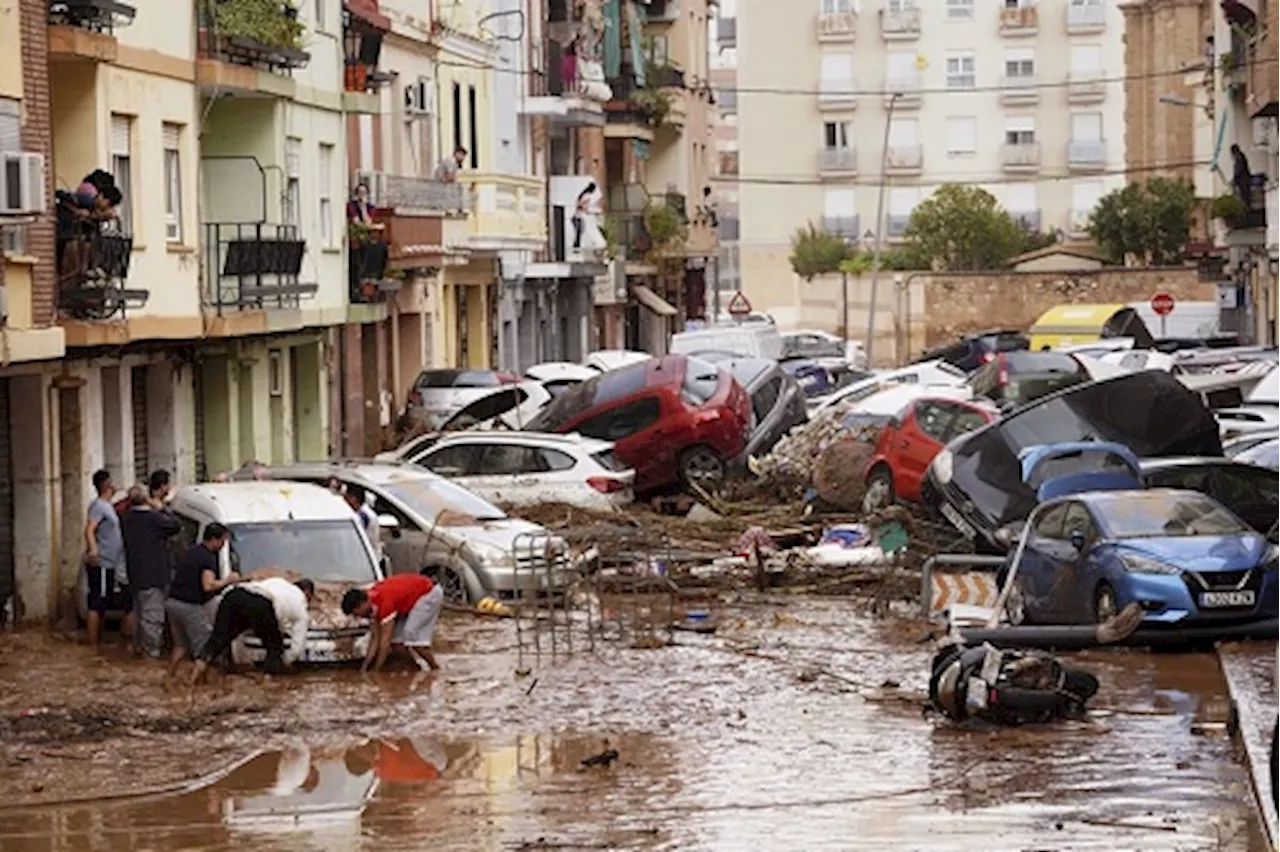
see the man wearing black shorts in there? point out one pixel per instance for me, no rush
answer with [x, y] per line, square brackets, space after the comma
[261, 607]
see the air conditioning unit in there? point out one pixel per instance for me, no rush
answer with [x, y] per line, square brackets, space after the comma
[420, 98]
[21, 183]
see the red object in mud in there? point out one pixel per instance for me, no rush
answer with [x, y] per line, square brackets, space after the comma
[909, 442]
[1162, 304]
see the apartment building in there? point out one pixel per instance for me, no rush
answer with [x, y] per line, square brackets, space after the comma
[724, 82]
[1022, 98]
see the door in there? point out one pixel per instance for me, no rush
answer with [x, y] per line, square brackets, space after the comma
[1075, 578]
[138, 387]
[918, 441]
[406, 546]
[452, 462]
[1039, 565]
[643, 440]
[505, 473]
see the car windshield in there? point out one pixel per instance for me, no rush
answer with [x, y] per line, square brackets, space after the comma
[1161, 514]
[441, 502]
[584, 396]
[323, 551]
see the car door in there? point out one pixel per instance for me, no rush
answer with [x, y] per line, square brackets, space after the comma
[918, 441]
[1039, 563]
[505, 473]
[640, 437]
[1076, 575]
[405, 547]
[453, 461]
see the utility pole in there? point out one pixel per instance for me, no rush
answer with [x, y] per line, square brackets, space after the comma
[875, 254]
[844, 308]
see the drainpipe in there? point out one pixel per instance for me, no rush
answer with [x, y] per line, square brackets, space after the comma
[54, 530]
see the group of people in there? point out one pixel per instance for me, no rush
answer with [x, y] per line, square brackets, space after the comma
[130, 566]
[81, 214]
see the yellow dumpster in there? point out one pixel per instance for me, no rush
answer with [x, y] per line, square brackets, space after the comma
[1064, 325]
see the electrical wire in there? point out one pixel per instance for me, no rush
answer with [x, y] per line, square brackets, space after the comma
[955, 177]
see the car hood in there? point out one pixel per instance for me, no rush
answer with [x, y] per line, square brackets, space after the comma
[501, 534]
[1204, 553]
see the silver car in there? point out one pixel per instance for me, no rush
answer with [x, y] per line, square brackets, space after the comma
[431, 526]
[438, 394]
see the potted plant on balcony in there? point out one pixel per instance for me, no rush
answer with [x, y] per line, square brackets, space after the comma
[359, 234]
[664, 226]
[271, 23]
[1229, 208]
[654, 103]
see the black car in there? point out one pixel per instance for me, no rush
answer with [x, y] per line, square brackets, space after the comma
[970, 353]
[976, 480]
[777, 401]
[1016, 378]
[1252, 492]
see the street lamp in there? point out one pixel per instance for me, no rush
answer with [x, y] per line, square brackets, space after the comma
[875, 254]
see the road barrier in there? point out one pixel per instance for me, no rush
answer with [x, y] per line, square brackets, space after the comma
[952, 579]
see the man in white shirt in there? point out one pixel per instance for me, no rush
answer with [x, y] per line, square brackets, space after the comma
[270, 608]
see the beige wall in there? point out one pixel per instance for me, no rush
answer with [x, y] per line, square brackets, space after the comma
[10, 50]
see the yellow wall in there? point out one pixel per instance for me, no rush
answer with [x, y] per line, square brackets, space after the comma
[465, 77]
[79, 133]
[10, 50]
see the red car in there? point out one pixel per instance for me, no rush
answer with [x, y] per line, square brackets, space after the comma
[909, 442]
[674, 419]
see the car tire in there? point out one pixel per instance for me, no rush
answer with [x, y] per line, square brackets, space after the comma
[455, 587]
[1104, 603]
[700, 465]
[879, 492]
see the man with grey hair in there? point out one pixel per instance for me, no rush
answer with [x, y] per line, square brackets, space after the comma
[148, 527]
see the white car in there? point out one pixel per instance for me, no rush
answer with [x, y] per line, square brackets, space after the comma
[530, 468]
[823, 348]
[557, 376]
[605, 360]
[927, 373]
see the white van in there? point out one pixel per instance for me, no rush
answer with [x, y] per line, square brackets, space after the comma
[297, 528]
[749, 340]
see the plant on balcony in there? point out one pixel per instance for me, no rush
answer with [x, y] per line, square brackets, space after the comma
[962, 229]
[610, 228]
[359, 234]
[1229, 208]
[655, 103]
[1145, 223]
[666, 229]
[270, 22]
[816, 252]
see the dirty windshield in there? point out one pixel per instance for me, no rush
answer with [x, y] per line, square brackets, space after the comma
[441, 502]
[323, 551]
[1158, 514]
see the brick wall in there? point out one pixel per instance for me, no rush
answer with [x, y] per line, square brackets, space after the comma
[37, 136]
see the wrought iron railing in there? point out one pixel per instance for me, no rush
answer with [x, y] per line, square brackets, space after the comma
[253, 266]
[92, 271]
[99, 16]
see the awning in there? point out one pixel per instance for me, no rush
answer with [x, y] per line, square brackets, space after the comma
[653, 301]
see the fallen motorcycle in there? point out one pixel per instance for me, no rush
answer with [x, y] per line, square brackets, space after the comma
[1006, 687]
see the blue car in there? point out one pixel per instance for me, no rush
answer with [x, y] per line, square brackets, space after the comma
[1181, 555]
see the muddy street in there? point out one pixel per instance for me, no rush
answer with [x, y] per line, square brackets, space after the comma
[798, 725]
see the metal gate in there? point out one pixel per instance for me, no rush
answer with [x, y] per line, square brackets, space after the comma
[197, 392]
[6, 501]
[141, 455]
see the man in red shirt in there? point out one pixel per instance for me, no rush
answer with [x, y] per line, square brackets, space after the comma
[403, 610]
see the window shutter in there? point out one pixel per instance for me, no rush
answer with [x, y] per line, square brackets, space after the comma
[10, 125]
[121, 125]
[293, 157]
[172, 135]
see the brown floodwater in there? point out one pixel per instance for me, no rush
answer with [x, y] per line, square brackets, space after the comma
[741, 740]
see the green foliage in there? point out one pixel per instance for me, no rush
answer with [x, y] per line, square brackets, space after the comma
[610, 228]
[665, 228]
[656, 103]
[1229, 208]
[1036, 240]
[815, 252]
[962, 229]
[1144, 223]
[892, 258]
[264, 21]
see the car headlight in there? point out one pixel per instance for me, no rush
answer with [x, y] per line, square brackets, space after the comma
[1145, 565]
[942, 463]
[493, 557]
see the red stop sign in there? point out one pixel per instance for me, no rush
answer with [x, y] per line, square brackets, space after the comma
[1162, 304]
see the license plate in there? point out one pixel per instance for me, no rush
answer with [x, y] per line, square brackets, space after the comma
[949, 512]
[1225, 599]
[317, 656]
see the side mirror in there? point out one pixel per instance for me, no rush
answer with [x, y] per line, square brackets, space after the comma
[1077, 540]
[388, 522]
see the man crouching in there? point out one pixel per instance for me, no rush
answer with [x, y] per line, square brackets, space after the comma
[403, 610]
[269, 608]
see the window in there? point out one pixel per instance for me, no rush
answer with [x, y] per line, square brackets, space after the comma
[1085, 195]
[474, 113]
[556, 460]
[839, 204]
[293, 182]
[509, 459]
[172, 135]
[833, 7]
[896, 7]
[1049, 524]
[959, 10]
[765, 398]
[320, 16]
[701, 378]
[1019, 129]
[903, 199]
[326, 195]
[902, 67]
[1086, 127]
[1020, 198]
[933, 418]
[1020, 63]
[623, 421]
[836, 134]
[962, 134]
[452, 461]
[903, 133]
[966, 421]
[1086, 60]
[122, 166]
[1078, 521]
[960, 71]
[837, 67]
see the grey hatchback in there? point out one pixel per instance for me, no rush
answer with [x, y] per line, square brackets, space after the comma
[777, 401]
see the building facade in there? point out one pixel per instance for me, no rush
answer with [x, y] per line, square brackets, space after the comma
[1025, 99]
[724, 81]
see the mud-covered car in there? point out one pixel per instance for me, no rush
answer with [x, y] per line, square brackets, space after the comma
[976, 482]
[292, 530]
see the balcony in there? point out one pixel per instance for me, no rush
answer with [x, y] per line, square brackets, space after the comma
[633, 112]
[363, 28]
[727, 32]
[1028, 220]
[253, 266]
[249, 55]
[896, 225]
[84, 30]
[727, 100]
[837, 94]
[667, 83]
[92, 271]
[906, 87]
[570, 94]
[837, 162]
[842, 226]
[1086, 19]
[368, 255]
[507, 211]
[900, 25]
[663, 11]
[418, 241]
[1021, 157]
[1019, 21]
[837, 27]
[904, 160]
[1087, 87]
[1019, 90]
[1246, 226]
[1087, 155]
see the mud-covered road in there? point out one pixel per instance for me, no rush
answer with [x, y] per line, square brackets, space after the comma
[797, 726]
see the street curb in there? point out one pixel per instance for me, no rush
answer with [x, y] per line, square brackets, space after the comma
[1252, 730]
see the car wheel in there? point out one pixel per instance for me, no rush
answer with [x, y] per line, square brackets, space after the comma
[1104, 604]
[879, 490]
[701, 466]
[455, 588]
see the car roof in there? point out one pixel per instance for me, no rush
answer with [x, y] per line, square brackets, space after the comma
[572, 441]
[370, 472]
[261, 502]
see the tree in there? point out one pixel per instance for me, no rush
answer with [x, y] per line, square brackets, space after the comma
[962, 229]
[815, 252]
[1145, 223]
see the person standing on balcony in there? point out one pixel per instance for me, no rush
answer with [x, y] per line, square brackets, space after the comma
[447, 170]
[360, 211]
[569, 67]
[584, 215]
[1241, 178]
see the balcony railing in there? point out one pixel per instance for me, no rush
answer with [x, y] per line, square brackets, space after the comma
[1019, 89]
[727, 31]
[1021, 156]
[728, 229]
[904, 89]
[727, 100]
[1091, 18]
[728, 162]
[666, 77]
[253, 266]
[631, 234]
[905, 158]
[838, 160]
[1255, 206]
[271, 45]
[837, 26]
[896, 25]
[841, 226]
[414, 241]
[367, 256]
[415, 194]
[1085, 87]
[92, 271]
[1019, 20]
[1088, 154]
[99, 16]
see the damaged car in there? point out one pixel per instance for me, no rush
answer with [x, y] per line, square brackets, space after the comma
[976, 481]
[777, 402]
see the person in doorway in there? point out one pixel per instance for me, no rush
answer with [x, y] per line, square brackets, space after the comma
[104, 561]
[1241, 177]
[569, 66]
[584, 207]
[360, 211]
[195, 581]
[147, 529]
[268, 608]
[403, 610]
[447, 170]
